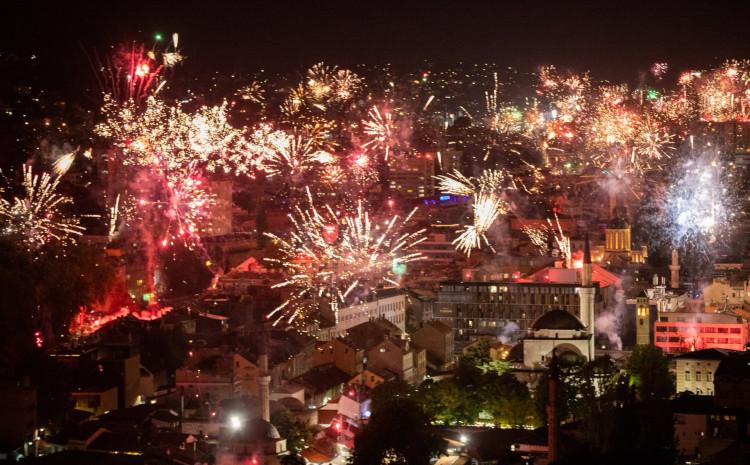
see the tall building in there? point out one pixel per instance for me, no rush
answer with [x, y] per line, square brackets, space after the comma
[413, 177]
[506, 309]
[220, 212]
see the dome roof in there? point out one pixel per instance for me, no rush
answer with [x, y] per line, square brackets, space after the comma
[258, 429]
[557, 319]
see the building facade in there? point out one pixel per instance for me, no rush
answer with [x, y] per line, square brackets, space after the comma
[476, 309]
[677, 332]
[389, 304]
[694, 371]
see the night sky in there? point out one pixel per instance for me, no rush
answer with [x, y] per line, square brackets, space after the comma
[614, 40]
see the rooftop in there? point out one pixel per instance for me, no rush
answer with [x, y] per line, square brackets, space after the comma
[558, 319]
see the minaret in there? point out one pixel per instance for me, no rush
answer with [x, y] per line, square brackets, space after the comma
[264, 380]
[586, 296]
[674, 270]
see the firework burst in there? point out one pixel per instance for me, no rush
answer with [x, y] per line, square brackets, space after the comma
[487, 193]
[36, 218]
[381, 130]
[328, 255]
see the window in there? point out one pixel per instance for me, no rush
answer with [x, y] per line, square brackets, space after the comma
[698, 376]
[687, 376]
[709, 376]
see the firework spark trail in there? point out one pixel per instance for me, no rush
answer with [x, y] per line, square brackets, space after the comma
[487, 193]
[328, 255]
[562, 241]
[487, 207]
[63, 163]
[291, 155]
[380, 129]
[695, 202]
[538, 237]
[37, 217]
[176, 140]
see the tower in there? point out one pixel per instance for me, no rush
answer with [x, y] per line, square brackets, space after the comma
[642, 320]
[586, 296]
[674, 270]
[617, 232]
[264, 380]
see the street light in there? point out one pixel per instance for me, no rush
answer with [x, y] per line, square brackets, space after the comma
[235, 422]
[463, 439]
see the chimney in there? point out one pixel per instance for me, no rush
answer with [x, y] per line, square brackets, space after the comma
[552, 423]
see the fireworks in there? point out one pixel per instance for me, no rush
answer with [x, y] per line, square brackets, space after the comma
[325, 83]
[724, 93]
[695, 202]
[488, 203]
[291, 156]
[380, 129]
[541, 237]
[487, 207]
[174, 140]
[134, 73]
[36, 218]
[63, 164]
[328, 255]
[252, 92]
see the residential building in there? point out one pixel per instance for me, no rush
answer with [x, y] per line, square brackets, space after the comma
[732, 382]
[341, 353]
[386, 351]
[213, 375]
[695, 371]
[95, 399]
[437, 249]
[437, 339]
[389, 304]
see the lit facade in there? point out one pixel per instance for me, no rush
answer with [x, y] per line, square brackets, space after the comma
[389, 304]
[721, 332]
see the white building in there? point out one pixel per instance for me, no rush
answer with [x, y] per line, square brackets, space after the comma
[695, 370]
[389, 304]
[556, 330]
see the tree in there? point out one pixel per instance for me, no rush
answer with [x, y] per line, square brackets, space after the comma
[443, 401]
[648, 370]
[385, 392]
[508, 401]
[398, 432]
[295, 432]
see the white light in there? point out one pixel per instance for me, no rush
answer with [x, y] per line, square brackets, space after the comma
[235, 422]
[464, 439]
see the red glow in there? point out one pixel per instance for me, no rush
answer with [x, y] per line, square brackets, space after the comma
[38, 339]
